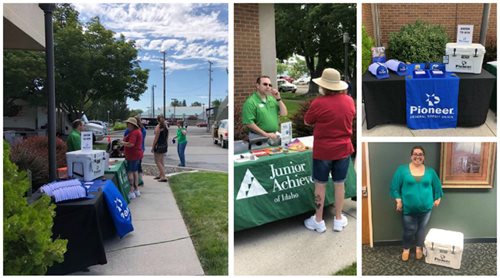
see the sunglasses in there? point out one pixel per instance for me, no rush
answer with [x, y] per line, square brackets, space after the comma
[267, 84]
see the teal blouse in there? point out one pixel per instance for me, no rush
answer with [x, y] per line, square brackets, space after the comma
[417, 197]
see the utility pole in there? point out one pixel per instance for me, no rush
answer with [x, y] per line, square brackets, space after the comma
[164, 85]
[153, 97]
[209, 93]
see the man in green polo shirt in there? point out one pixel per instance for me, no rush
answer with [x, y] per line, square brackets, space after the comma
[262, 109]
[74, 139]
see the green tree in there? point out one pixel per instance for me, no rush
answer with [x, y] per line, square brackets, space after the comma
[281, 68]
[135, 112]
[315, 31]
[176, 102]
[216, 103]
[24, 73]
[28, 247]
[92, 67]
[367, 44]
[298, 69]
[195, 104]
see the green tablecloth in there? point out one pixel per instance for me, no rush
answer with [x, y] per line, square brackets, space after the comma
[493, 101]
[277, 187]
[121, 180]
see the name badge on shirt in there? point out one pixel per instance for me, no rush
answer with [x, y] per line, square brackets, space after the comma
[261, 105]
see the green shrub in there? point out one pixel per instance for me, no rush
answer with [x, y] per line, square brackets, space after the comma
[367, 44]
[28, 247]
[419, 42]
[119, 126]
[31, 154]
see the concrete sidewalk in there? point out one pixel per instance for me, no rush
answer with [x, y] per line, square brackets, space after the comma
[286, 247]
[160, 243]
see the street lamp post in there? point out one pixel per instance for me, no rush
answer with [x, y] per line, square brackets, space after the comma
[346, 51]
[164, 85]
[108, 117]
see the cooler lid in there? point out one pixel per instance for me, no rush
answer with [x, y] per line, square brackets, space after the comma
[444, 238]
[465, 49]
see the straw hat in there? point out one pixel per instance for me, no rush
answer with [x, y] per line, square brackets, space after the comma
[330, 79]
[133, 121]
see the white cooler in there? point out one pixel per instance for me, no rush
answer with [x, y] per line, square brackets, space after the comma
[87, 166]
[467, 58]
[444, 248]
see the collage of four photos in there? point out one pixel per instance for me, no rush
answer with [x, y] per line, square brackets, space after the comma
[241, 139]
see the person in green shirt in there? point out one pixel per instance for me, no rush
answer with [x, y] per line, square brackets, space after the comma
[74, 139]
[182, 142]
[262, 109]
[416, 189]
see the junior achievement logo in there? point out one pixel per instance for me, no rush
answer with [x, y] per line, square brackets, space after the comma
[250, 187]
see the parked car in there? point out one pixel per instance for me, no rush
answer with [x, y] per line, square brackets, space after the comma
[221, 133]
[287, 78]
[302, 81]
[285, 86]
[98, 131]
[202, 124]
[101, 123]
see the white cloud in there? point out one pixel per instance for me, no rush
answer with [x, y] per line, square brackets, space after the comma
[183, 21]
[192, 34]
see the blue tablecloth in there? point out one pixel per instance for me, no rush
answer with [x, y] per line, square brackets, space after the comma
[117, 206]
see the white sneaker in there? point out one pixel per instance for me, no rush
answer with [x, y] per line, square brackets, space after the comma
[131, 195]
[312, 225]
[338, 225]
[137, 193]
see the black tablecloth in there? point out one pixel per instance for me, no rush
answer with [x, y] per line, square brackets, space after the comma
[85, 223]
[385, 99]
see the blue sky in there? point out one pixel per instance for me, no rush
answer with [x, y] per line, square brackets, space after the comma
[191, 35]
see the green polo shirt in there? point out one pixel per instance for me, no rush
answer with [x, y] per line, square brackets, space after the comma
[265, 114]
[417, 196]
[74, 141]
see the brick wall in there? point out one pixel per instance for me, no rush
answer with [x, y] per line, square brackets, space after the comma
[394, 16]
[247, 65]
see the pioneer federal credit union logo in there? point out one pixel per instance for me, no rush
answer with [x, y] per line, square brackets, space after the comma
[430, 110]
[250, 187]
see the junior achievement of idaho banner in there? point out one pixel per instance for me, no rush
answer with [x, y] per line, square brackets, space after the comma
[432, 103]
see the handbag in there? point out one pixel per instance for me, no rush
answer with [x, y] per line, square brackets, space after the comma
[161, 148]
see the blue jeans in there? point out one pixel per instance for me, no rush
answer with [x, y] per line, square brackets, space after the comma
[181, 148]
[414, 227]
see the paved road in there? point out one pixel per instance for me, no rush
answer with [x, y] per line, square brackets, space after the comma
[201, 152]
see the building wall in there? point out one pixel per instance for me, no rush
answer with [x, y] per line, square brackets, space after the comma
[247, 60]
[395, 16]
[472, 212]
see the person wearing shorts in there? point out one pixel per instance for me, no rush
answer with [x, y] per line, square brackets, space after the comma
[133, 154]
[331, 115]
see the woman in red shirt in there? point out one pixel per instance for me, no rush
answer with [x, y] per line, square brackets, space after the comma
[331, 115]
[133, 154]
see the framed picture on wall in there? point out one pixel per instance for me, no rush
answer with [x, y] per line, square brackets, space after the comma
[467, 164]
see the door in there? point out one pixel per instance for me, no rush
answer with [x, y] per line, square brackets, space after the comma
[366, 217]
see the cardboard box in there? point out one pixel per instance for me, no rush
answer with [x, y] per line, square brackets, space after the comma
[86, 166]
[444, 248]
[467, 58]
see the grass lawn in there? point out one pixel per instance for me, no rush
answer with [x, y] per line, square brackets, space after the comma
[202, 199]
[350, 270]
[100, 146]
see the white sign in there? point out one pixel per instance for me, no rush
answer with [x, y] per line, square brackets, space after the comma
[286, 133]
[464, 34]
[86, 137]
